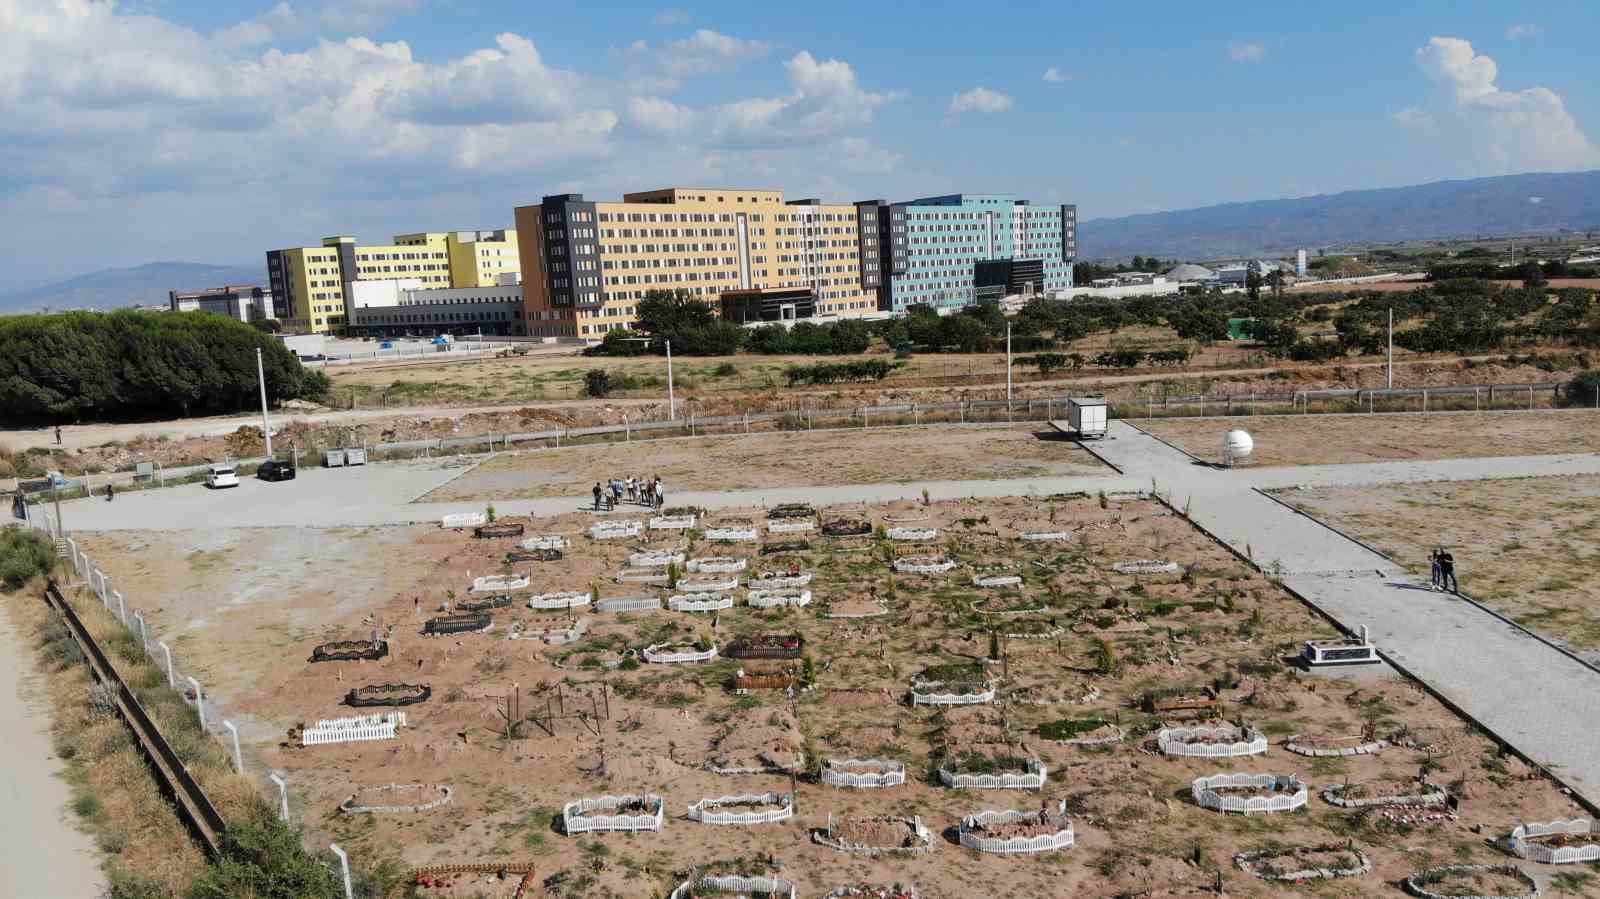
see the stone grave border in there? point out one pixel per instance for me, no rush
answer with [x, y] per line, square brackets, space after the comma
[462, 520]
[1043, 536]
[732, 535]
[855, 891]
[499, 531]
[561, 599]
[671, 522]
[1203, 790]
[1035, 779]
[903, 519]
[1117, 737]
[969, 837]
[498, 601]
[614, 605]
[912, 535]
[658, 654]
[501, 583]
[1146, 566]
[791, 527]
[863, 774]
[700, 602]
[992, 581]
[576, 817]
[446, 793]
[734, 884]
[1369, 748]
[1244, 860]
[1050, 634]
[546, 541]
[824, 837]
[923, 564]
[1518, 842]
[717, 565]
[706, 811]
[1180, 741]
[551, 636]
[852, 616]
[1090, 697]
[977, 605]
[614, 530]
[1434, 797]
[1416, 883]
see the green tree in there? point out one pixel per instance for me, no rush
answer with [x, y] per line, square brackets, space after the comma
[963, 332]
[24, 555]
[666, 313]
[1252, 285]
[597, 382]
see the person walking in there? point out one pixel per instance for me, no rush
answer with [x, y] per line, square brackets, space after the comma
[629, 489]
[616, 492]
[596, 492]
[1447, 572]
[58, 435]
[1433, 559]
[661, 495]
[110, 491]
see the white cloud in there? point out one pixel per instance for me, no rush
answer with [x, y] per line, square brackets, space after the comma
[1513, 130]
[708, 51]
[979, 99]
[1524, 32]
[1247, 52]
[1414, 117]
[362, 16]
[1056, 76]
[670, 17]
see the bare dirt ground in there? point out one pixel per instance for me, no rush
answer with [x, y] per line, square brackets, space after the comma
[1320, 440]
[1530, 548]
[254, 610]
[779, 460]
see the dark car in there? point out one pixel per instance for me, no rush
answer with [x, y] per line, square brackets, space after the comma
[276, 470]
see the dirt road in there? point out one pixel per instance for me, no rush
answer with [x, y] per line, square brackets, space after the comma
[41, 851]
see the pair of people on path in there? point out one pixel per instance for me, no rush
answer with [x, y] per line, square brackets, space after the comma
[602, 495]
[1444, 570]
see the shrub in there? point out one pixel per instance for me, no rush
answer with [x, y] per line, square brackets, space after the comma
[264, 858]
[834, 372]
[24, 555]
[597, 382]
[1582, 390]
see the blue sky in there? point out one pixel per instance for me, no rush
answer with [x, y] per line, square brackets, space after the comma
[179, 130]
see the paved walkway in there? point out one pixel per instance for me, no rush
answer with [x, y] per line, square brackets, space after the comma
[1525, 691]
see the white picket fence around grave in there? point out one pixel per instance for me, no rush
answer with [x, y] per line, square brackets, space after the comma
[923, 565]
[357, 729]
[445, 791]
[731, 535]
[997, 580]
[1518, 843]
[546, 541]
[659, 654]
[707, 586]
[927, 693]
[791, 527]
[1184, 741]
[863, 774]
[734, 885]
[616, 604]
[561, 599]
[1146, 566]
[700, 602]
[501, 583]
[772, 599]
[615, 530]
[912, 534]
[1033, 780]
[1043, 536]
[762, 582]
[1203, 790]
[717, 565]
[671, 522]
[707, 811]
[464, 520]
[655, 558]
[1045, 842]
[578, 815]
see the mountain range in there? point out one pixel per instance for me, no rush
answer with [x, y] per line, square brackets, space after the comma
[115, 288]
[1503, 205]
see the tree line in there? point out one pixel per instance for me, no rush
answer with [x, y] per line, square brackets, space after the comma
[130, 365]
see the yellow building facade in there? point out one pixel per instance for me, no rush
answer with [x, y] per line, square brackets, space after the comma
[586, 265]
[313, 282]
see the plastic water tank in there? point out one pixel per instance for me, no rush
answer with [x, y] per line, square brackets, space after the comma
[1237, 444]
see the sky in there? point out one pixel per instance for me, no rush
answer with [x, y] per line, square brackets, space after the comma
[214, 130]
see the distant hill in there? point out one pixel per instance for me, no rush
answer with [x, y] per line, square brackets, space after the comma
[115, 288]
[1443, 209]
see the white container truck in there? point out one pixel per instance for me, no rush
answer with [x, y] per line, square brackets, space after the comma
[1086, 415]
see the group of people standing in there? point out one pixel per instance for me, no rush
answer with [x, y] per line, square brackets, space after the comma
[1444, 570]
[641, 491]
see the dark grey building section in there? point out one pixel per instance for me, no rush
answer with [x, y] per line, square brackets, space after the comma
[892, 248]
[284, 299]
[783, 304]
[572, 251]
[1069, 231]
[995, 279]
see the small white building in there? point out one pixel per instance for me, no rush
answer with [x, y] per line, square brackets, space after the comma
[400, 306]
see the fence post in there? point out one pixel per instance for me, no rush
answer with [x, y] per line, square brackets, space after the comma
[199, 702]
[344, 869]
[1530, 399]
[627, 430]
[963, 411]
[1424, 399]
[171, 682]
[747, 423]
[283, 795]
[122, 604]
[1475, 392]
[916, 417]
[238, 760]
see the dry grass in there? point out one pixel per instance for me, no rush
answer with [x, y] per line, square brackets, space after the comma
[1528, 548]
[1327, 439]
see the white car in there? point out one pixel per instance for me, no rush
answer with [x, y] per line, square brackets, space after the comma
[222, 476]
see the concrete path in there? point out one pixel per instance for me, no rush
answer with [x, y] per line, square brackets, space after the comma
[42, 853]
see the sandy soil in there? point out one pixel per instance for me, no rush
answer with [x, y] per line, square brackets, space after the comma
[1319, 440]
[666, 722]
[1526, 548]
[901, 455]
[42, 853]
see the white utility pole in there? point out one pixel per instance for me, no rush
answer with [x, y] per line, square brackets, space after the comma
[238, 760]
[1008, 363]
[1391, 347]
[266, 425]
[672, 403]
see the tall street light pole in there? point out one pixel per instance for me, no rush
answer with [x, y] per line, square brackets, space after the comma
[1391, 347]
[266, 425]
[672, 402]
[1008, 362]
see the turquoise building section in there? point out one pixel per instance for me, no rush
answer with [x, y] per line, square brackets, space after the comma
[947, 236]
